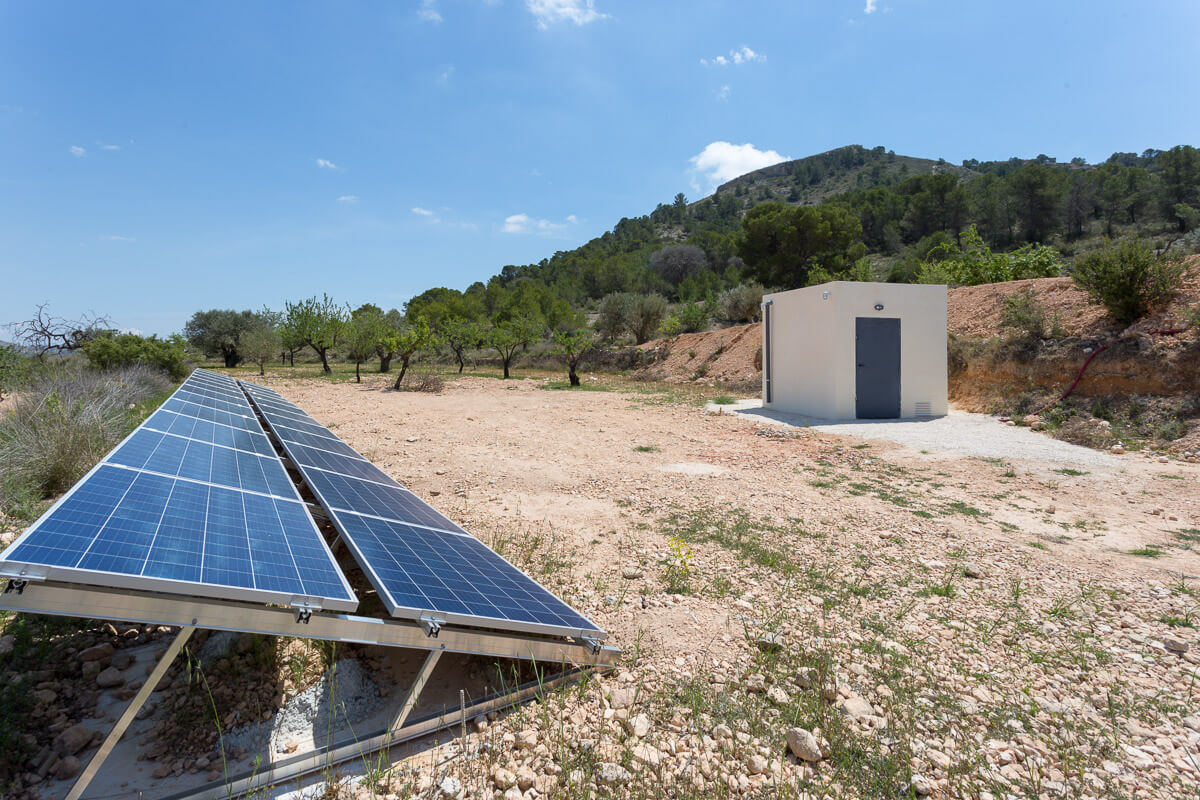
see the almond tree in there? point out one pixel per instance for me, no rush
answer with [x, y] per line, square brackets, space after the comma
[319, 323]
[574, 346]
[406, 343]
[508, 337]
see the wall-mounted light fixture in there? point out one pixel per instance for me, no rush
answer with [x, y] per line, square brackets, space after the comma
[879, 306]
[824, 295]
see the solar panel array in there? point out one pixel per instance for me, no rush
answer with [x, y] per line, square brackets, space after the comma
[418, 560]
[195, 501]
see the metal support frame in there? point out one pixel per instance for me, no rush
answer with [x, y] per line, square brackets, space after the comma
[155, 609]
[414, 691]
[127, 717]
[575, 655]
[351, 749]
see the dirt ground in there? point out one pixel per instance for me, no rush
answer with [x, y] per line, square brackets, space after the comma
[989, 574]
[935, 624]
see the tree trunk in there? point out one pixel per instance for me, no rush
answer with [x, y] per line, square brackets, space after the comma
[262, 367]
[291, 358]
[231, 359]
[400, 377]
[357, 376]
[324, 362]
[506, 367]
[385, 363]
[458, 355]
[571, 375]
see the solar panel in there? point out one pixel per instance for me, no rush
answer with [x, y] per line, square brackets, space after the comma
[420, 562]
[195, 501]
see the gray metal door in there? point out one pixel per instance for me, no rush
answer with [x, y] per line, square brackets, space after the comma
[877, 354]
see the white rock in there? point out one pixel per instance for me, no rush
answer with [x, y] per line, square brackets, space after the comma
[612, 774]
[922, 785]
[803, 744]
[504, 778]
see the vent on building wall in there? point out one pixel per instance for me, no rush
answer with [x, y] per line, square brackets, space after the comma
[921, 408]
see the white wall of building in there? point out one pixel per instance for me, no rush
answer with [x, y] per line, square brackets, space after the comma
[813, 364]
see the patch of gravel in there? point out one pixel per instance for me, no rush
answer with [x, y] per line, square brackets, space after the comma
[960, 433]
[344, 695]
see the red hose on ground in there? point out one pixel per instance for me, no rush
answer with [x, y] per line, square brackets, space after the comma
[1096, 352]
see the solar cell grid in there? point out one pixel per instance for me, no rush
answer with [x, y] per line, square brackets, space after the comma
[210, 432]
[332, 462]
[308, 426]
[332, 445]
[195, 501]
[390, 502]
[457, 576]
[212, 415]
[419, 561]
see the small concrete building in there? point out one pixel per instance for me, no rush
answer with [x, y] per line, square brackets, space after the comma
[856, 350]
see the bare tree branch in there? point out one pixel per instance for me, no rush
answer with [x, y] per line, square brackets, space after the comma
[45, 333]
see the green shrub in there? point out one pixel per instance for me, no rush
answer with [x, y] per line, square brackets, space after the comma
[115, 350]
[741, 303]
[1128, 278]
[1026, 316]
[62, 423]
[971, 262]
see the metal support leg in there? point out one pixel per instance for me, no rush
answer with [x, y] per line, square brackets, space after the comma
[414, 691]
[135, 705]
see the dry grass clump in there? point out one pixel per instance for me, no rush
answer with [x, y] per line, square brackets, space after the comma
[64, 421]
[424, 380]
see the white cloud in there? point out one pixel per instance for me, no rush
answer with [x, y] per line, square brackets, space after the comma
[112, 238]
[870, 9]
[348, 198]
[428, 12]
[723, 92]
[741, 55]
[721, 161]
[444, 78]
[109, 146]
[424, 212]
[77, 151]
[523, 223]
[325, 163]
[547, 12]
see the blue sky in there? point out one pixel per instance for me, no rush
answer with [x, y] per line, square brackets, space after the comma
[160, 157]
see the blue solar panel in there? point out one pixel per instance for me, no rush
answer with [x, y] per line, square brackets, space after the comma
[339, 492]
[454, 575]
[211, 432]
[418, 560]
[188, 505]
[188, 458]
[287, 435]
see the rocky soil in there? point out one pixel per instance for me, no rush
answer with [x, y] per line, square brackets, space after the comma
[800, 614]
[809, 615]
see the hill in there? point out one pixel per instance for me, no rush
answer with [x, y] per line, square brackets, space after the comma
[818, 178]
[902, 207]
